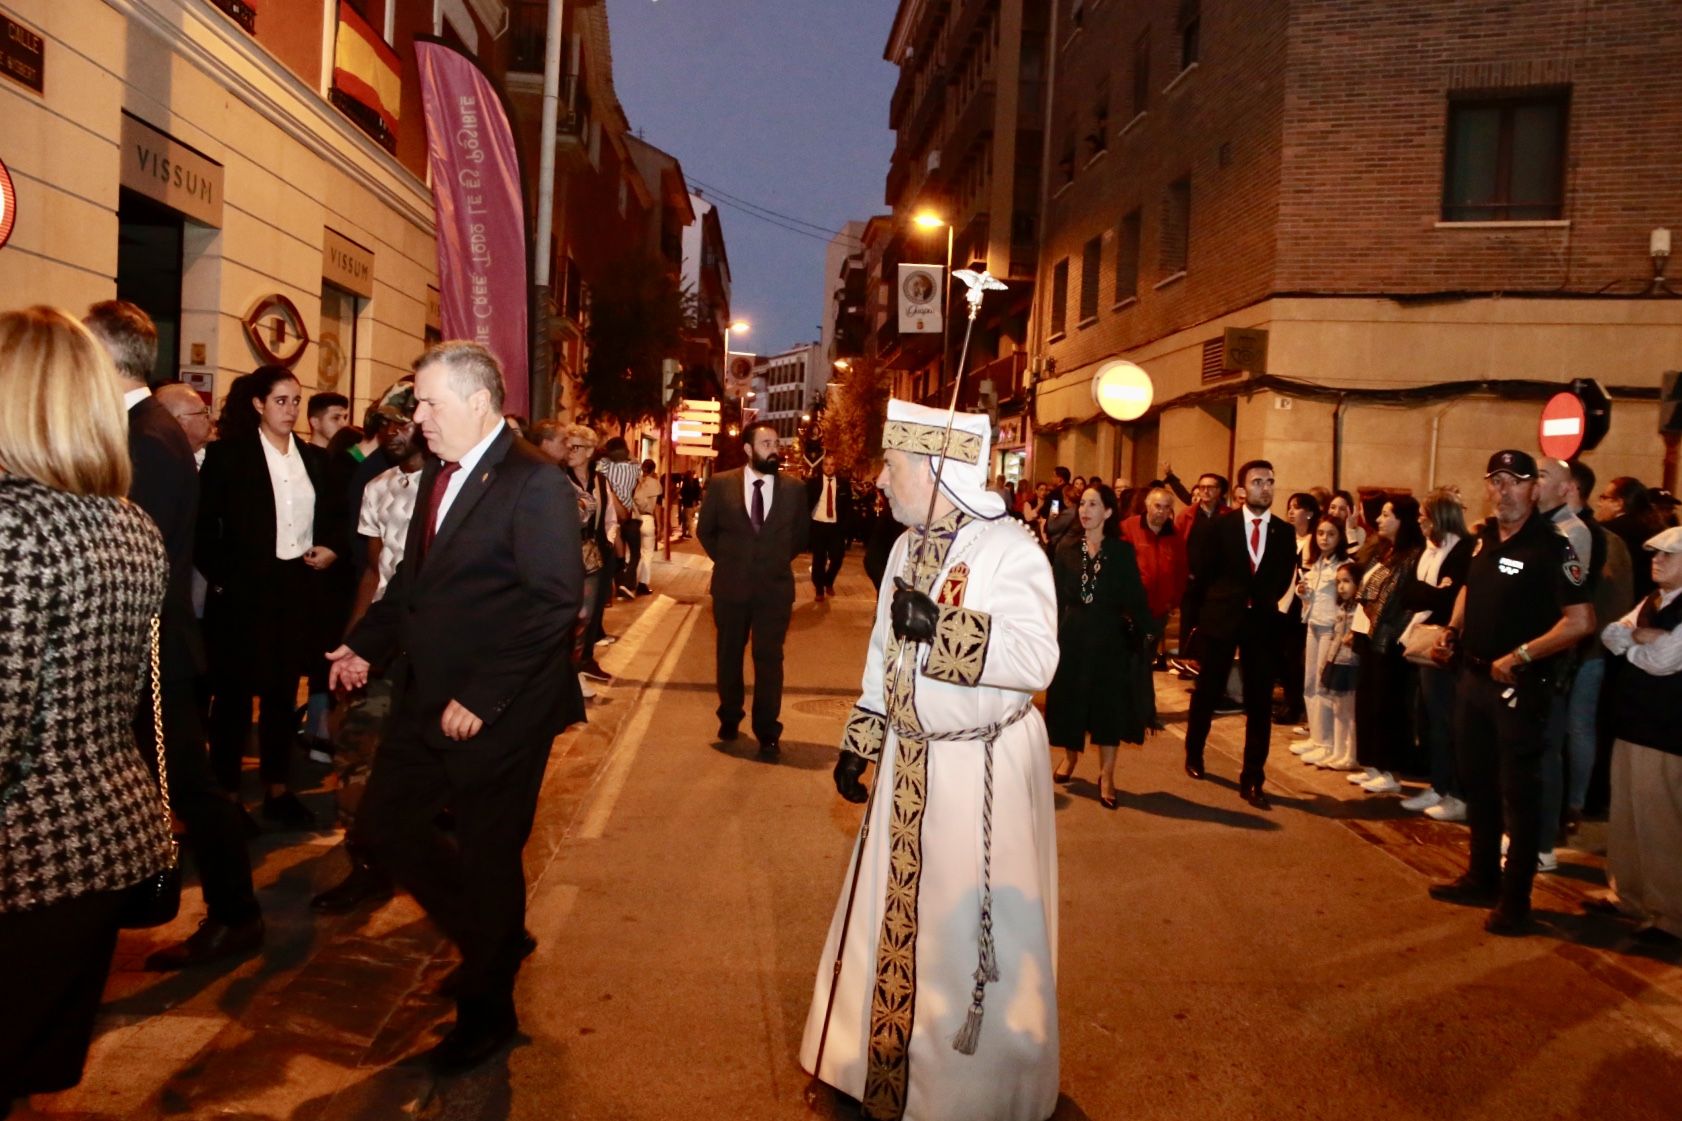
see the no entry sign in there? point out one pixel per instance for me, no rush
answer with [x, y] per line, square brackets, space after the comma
[1564, 422]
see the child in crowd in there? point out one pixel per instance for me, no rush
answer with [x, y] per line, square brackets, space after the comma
[1337, 675]
[1317, 588]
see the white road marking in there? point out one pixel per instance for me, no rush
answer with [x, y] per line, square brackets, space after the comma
[631, 734]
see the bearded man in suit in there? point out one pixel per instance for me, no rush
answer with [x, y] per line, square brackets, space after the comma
[753, 524]
[475, 627]
[1247, 561]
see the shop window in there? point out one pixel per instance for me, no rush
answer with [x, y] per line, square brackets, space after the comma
[1090, 258]
[1059, 297]
[1176, 228]
[336, 342]
[1506, 159]
[1127, 258]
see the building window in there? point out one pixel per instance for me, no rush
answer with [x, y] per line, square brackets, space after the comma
[1191, 21]
[1176, 228]
[1066, 161]
[1059, 297]
[1505, 159]
[1077, 15]
[1090, 258]
[1142, 72]
[1127, 258]
[1098, 140]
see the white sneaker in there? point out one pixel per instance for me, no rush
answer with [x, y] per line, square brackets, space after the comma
[1342, 763]
[1363, 776]
[1424, 800]
[1449, 809]
[1301, 730]
[585, 687]
[1384, 783]
[1547, 862]
[1302, 747]
[1317, 755]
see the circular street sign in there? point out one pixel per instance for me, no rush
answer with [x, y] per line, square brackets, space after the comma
[8, 205]
[1564, 420]
[1122, 389]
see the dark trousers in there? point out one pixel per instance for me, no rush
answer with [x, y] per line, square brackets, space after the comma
[215, 825]
[1191, 610]
[1436, 709]
[765, 619]
[471, 883]
[52, 972]
[829, 549]
[1256, 647]
[1500, 740]
[277, 726]
[1384, 711]
[630, 532]
[1293, 646]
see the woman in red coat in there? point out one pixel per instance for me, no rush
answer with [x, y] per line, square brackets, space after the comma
[1161, 553]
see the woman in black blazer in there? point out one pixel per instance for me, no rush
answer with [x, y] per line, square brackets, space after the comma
[270, 526]
[1103, 620]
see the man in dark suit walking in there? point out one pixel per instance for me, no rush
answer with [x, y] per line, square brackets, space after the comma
[829, 497]
[166, 486]
[1248, 560]
[753, 524]
[474, 626]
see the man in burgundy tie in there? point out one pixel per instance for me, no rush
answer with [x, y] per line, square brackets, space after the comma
[753, 524]
[830, 498]
[474, 631]
[1248, 562]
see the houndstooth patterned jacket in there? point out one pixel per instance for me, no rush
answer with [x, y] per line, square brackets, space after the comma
[80, 579]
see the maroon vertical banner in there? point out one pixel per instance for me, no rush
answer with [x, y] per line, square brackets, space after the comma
[480, 212]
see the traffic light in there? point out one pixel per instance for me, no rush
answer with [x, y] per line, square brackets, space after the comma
[1597, 409]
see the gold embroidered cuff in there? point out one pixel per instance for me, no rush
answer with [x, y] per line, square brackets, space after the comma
[959, 650]
[865, 733]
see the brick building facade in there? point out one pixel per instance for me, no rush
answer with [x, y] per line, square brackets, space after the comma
[1402, 195]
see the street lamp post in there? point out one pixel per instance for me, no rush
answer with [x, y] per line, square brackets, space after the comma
[931, 221]
[740, 326]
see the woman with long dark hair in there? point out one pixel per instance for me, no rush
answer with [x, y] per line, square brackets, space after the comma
[271, 524]
[1103, 623]
[1384, 685]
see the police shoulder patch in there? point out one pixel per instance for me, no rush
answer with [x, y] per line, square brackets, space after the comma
[1573, 567]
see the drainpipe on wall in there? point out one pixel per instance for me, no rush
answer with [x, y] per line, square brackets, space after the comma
[1337, 445]
[1036, 352]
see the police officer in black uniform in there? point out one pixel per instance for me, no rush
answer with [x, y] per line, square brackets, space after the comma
[1524, 605]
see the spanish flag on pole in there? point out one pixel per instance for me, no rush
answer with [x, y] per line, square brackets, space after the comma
[365, 68]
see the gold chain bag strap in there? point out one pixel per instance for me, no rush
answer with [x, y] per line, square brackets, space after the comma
[156, 900]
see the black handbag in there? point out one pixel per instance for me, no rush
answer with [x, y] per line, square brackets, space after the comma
[155, 900]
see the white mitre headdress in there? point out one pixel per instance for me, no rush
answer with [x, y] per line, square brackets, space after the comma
[919, 429]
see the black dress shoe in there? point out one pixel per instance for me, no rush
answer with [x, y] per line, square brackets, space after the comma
[770, 750]
[1257, 798]
[644, 590]
[1465, 891]
[471, 1041]
[364, 883]
[212, 941]
[1509, 922]
[728, 732]
[1194, 768]
[286, 811]
[594, 671]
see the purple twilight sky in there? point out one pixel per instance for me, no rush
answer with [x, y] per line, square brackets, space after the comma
[780, 103]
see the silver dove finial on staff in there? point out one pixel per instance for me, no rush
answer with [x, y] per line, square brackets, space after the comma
[979, 283]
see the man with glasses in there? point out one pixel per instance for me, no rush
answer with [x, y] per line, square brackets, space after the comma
[1526, 602]
[189, 411]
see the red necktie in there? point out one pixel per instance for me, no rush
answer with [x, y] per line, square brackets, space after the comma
[1255, 542]
[435, 502]
[829, 498]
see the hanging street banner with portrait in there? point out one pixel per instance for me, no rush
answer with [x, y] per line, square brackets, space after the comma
[921, 299]
[480, 213]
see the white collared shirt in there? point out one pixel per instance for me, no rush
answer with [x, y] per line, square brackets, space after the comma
[827, 495]
[1661, 657]
[769, 489]
[133, 397]
[1259, 548]
[467, 463]
[294, 499]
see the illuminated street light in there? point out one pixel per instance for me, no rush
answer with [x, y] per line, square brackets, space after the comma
[842, 364]
[740, 326]
[929, 220]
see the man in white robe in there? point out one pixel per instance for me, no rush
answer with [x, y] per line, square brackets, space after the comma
[945, 1003]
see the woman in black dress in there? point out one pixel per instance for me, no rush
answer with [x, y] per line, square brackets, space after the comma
[1102, 617]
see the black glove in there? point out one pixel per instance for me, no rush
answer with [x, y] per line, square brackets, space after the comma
[848, 768]
[914, 614]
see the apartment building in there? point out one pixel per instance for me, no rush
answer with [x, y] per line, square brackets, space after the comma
[1438, 212]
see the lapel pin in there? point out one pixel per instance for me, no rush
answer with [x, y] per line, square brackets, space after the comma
[485, 478]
